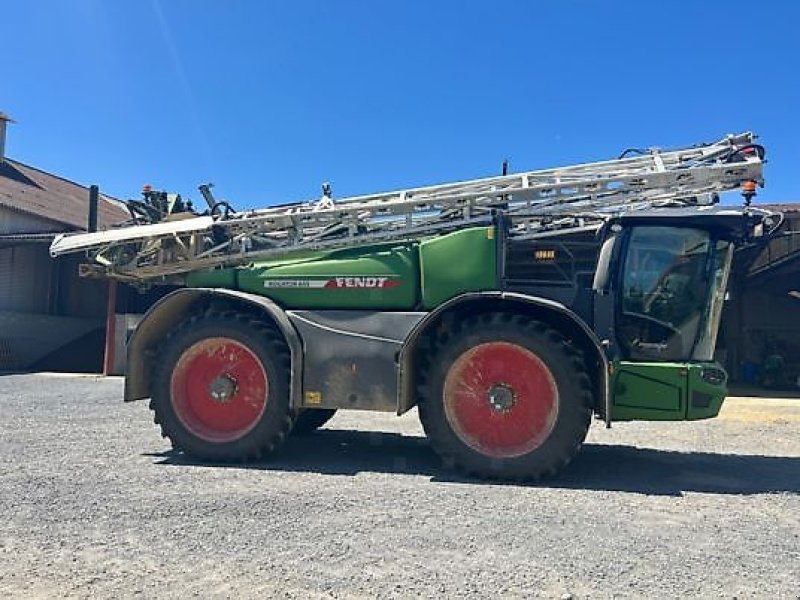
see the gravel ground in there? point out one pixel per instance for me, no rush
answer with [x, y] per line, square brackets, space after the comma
[96, 505]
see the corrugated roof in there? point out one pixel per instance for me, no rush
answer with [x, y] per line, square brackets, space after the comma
[8, 240]
[28, 237]
[36, 192]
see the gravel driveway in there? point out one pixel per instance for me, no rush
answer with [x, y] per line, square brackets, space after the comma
[95, 504]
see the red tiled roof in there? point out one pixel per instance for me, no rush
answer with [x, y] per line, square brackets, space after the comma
[36, 192]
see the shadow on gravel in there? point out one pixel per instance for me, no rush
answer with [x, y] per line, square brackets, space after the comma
[597, 466]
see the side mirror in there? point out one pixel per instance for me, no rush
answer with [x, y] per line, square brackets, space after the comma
[602, 275]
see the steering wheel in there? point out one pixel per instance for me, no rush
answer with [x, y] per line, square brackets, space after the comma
[674, 338]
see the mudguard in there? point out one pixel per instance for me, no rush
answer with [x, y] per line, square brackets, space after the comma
[165, 314]
[550, 311]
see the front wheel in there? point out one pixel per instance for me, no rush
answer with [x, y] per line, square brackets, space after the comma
[221, 388]
[505, 397]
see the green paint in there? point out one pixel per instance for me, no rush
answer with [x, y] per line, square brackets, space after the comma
[464, 261]
[221, 278]
[366, 277]
[697, 385]
[654, 391]
[432, 271]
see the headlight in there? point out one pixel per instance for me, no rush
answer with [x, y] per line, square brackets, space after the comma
[713, 375]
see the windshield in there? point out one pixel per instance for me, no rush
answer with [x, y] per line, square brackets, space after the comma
[671, 293]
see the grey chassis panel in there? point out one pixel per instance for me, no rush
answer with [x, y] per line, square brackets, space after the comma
[168, 312]
[351, 356]
[406, 384]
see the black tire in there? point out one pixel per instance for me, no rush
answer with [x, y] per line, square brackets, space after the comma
[261, 399]
[560, 371]
[311, 419]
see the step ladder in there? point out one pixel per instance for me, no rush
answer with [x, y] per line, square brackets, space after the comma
[537, 203]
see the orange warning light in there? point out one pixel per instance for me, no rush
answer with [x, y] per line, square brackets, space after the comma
[749, 186]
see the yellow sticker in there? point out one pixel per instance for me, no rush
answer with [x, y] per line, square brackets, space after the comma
[490, 233]
[543, 254]
[313, 398]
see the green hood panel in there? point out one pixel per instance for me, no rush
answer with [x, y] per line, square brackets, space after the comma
[376, 277]
[372, 278]
[464, 261]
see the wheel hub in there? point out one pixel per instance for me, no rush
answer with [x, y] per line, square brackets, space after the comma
[222, 388]
[219, 389]
[501, 397]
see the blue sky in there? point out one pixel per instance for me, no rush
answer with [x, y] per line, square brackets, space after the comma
[269, 99]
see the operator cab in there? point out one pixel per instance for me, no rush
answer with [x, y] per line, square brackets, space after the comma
[665, 272]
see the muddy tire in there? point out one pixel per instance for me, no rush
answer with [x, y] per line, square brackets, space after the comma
[311, 419]
[221, 388]
[504, 397]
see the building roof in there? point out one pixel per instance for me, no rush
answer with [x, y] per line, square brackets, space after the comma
[16, 239]
[788, 207]
[51, 197]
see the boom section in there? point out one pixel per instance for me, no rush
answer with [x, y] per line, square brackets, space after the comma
[536, 202]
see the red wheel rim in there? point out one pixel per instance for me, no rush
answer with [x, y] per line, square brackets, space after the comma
[219, 389]
[501, 399]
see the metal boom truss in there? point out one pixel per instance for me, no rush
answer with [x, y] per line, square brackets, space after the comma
[537, 203]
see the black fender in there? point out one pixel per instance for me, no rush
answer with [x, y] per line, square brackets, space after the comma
[554, 313]
[170, 310]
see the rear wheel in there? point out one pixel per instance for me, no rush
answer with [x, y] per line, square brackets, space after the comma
[505, 397]
[311, 419]
[221, 389]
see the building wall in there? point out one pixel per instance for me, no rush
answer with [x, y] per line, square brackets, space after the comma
[762, 320]
[14, 221]
[32, 282]
[78, 296]
[767, 325]
[26, 278]
[50, 318]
